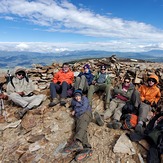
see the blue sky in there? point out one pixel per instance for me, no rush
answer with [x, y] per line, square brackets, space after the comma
[55, 25]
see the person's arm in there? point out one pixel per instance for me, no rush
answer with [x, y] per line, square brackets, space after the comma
[55, 78]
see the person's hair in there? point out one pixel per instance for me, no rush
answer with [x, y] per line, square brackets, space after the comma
[127, 77]
[65, 64]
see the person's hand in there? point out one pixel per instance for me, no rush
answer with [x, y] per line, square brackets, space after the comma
[58, 82]
[154, 105]
[147, 102]
[93, 82]
[3, 96]
[20, 93]
[73, 113]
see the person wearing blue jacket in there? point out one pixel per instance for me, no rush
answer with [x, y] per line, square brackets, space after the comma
[84, 79]
[82, 113]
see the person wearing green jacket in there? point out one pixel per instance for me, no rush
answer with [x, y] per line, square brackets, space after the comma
[102, 82]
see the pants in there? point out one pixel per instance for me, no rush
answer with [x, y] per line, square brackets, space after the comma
[115, 109]
[81, 83]
[57, 88]
[25, 101]
[81, 125]
[143, 109]
[97, 87]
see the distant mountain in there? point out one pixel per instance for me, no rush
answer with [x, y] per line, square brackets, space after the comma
[26, 59]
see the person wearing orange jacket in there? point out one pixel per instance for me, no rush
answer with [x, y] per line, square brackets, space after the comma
[149, 96]
[62, 81]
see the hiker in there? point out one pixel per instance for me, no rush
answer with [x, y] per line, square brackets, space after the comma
[81, 110]
[122, 94]
[62, 81]
[84, 79]
[149, 95]
[20, 90]
[101, 81]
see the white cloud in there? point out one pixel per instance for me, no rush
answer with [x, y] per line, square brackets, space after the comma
[63, 16]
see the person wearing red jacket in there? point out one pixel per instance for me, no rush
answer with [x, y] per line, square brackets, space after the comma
[62, 81]
[149, 96]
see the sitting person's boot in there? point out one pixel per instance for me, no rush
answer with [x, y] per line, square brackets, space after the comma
[98, 119]
[117, 124]
[74, 146]
[63, 102]
[22, 112]
[139, 128]
[54, 102]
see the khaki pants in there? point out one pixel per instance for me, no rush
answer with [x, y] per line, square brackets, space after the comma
[81, 125]
[103, 87]
[81, 83]
[115, 109]
[25, 101]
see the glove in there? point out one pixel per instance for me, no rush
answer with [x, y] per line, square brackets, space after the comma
[147, 102]
[154, 105]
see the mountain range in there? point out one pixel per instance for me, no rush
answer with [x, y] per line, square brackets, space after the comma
[10, 59]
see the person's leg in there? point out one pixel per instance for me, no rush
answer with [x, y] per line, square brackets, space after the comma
[135, 99]
[108, 97]
[109, 112]
[53, 90]
[77, 82]
[90, 93]
[18, 100]
[83, 83]
[81, 128]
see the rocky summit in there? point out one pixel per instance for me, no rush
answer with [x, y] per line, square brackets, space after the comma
[43, 132]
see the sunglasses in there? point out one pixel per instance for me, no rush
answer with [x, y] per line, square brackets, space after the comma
[152, 80]
[20, 74]
[126, 81]
[103, 69]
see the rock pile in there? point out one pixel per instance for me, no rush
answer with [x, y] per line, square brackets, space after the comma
[41, 134]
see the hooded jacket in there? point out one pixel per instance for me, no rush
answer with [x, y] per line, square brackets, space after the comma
[61, 76]
[20, 85]
[152, 94]
[89, 76]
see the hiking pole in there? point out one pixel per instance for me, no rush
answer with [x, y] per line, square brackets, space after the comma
[1, 103]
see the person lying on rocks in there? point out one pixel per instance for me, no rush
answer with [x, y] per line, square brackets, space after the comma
[102, 82]
[82, 113]
[122, 94]
[84, 79]
[20, 90]
[149, 95]
[62, 81]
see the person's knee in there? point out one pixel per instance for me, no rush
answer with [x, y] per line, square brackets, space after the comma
[64, 83]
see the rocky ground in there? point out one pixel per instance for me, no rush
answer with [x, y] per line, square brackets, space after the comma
[43, 132]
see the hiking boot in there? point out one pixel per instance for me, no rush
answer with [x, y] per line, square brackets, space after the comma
[83, 154]
[63, 102]
[117, 125]
[110, 125]
[22, 112]
[139, 128]
[98, 119]
[54, 102]
[75, 146]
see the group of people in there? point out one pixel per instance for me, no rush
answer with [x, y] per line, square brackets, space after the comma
[20, 91]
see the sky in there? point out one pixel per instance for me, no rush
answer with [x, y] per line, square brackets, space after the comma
[59, 25]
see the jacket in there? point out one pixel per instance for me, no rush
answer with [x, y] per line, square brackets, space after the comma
[107, 81]
[128, 94]
[152, 94]
[89, 76]
[80, 107]
[20, 86]
[61, 76]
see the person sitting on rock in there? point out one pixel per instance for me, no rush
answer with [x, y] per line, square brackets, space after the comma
[82, 113]
[101, 81]
[20, 90]
[149, 95]
[62, 81]
[122, 94]
[84, 79]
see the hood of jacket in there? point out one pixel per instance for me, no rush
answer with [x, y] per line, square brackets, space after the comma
[18, 69]
[154, 77]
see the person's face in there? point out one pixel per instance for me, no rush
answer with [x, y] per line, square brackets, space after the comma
[126, 82]
[86, 70]
[65, 68]
[103, 70]
[151, 82]
[78, 97]
[20, 75]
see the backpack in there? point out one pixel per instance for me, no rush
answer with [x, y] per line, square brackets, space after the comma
[129, 121]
